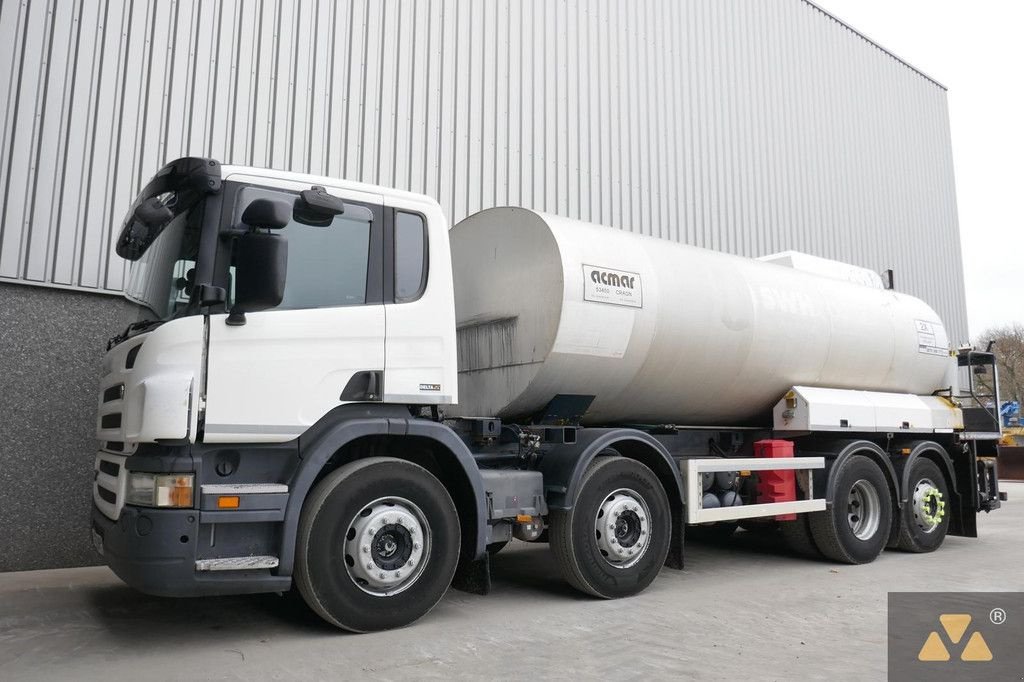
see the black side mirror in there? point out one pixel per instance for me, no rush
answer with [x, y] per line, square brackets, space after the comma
[261, 267]
[153, 213]
[267, 213]
[147, 221]
[317, 208]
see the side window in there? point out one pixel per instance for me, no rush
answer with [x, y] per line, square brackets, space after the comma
[410, 256]
[183, 277]
[327, 265]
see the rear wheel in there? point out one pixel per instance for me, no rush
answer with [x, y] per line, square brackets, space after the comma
[378, 544]
[924, 521]
[614, 540]
[856, 527]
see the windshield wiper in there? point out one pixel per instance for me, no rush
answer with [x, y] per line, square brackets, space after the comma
[133, 327]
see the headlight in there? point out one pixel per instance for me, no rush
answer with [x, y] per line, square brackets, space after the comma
[160, 490]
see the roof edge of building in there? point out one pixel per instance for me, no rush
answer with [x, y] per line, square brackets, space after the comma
[876, 44]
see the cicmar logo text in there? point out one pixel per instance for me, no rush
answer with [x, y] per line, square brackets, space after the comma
[955, 625]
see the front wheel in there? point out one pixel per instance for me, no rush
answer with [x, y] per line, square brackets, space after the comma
[378, 544]
[614, 540]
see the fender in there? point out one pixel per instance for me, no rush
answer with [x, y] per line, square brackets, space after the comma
[917, 449]
[349, 422]
[563, 467]
[840, 451]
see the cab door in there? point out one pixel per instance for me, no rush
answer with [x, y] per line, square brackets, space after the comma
[273, 377]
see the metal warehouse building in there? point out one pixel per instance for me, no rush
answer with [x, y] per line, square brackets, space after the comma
[750, 127]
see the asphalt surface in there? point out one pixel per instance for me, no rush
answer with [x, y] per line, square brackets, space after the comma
[747, 610]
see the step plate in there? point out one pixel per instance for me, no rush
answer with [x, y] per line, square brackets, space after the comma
[237, 563]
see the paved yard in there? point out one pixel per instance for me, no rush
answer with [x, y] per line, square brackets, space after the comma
[745, 611]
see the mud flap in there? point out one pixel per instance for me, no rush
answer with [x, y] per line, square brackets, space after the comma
[473, 575]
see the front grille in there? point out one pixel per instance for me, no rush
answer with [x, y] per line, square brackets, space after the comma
[115, 392]
[110, 479]
[110, 468]
[115, 389]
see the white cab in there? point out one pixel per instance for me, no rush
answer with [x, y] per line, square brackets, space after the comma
[272, 378]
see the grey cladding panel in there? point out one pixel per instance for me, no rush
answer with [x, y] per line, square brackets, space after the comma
[751, 127]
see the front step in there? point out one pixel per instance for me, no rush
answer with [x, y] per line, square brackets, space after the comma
[237, 563]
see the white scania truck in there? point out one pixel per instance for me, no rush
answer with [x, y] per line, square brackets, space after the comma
[328, 389]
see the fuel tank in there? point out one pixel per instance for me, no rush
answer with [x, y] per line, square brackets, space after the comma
[666, 333]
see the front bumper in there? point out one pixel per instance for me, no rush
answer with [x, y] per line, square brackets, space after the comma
[155, 551]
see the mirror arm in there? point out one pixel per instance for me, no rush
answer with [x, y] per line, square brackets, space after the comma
[236, 318]
[209, 295]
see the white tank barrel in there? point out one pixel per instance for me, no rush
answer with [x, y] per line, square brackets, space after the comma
[661, 332]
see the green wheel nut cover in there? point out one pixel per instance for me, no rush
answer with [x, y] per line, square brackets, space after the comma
[933, 518]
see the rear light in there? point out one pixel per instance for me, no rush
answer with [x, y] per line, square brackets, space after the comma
[160, 490]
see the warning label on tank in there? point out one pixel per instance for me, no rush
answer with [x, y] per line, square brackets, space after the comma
[618, 287]
[931, 338]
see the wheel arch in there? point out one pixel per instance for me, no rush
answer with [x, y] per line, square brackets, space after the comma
[563, 467]
[334, 441]
[840, 451]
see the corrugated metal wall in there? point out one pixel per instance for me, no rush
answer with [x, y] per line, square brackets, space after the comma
[746, 125]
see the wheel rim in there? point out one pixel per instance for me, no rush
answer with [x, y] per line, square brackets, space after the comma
[623, 528]
[863, 510]
[387, 546]
[928, 505]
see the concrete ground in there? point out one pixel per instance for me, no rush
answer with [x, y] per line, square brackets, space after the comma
[748, 610]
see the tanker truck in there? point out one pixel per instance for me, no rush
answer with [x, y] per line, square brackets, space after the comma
[328, 392]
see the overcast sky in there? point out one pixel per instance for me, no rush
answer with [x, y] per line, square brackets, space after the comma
[976, 49]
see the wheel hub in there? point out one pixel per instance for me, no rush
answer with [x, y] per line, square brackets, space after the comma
[622, 528]
[387, 546]
[928, 506]
[863, 510]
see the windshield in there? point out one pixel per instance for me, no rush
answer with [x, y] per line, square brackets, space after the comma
[161, 280]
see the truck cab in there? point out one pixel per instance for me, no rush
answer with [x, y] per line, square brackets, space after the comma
[380, 262]
[266, 300]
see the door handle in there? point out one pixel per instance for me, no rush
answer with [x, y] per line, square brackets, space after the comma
[366, 385]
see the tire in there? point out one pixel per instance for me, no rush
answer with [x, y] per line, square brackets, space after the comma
[924, 521]
[856, 527]
[379, 505]
[797, 536]
[712, 533]
[628, 492]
